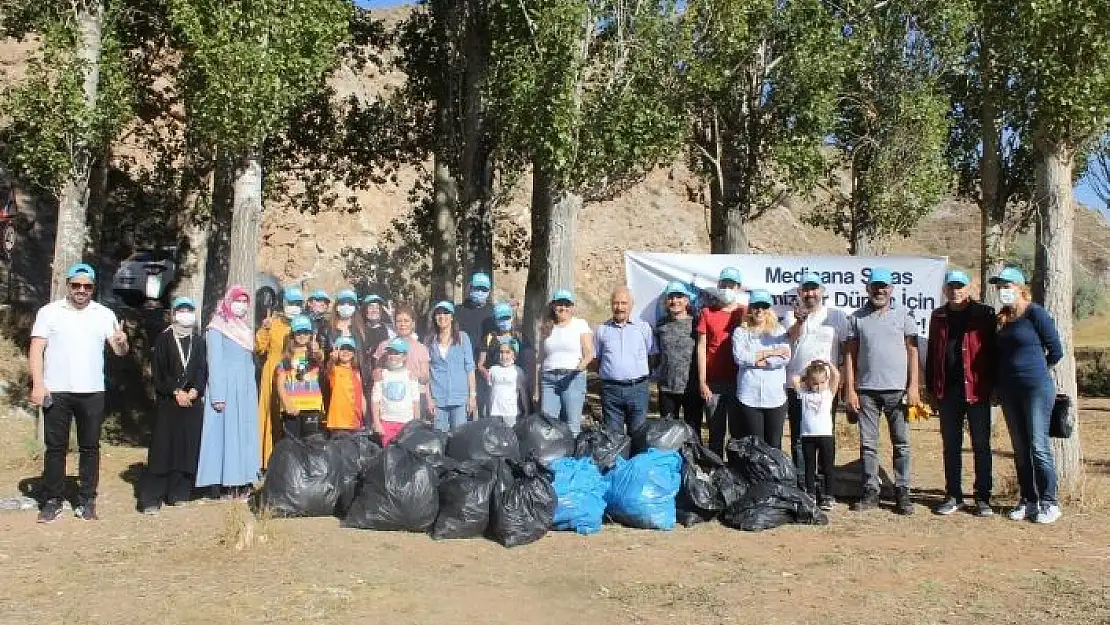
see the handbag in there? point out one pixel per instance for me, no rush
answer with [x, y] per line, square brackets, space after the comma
[1062, 422]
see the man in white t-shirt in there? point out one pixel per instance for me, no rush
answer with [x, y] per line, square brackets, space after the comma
[67, 380]
[816, 332]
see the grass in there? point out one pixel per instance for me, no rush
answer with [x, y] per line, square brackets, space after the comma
[1094, 331]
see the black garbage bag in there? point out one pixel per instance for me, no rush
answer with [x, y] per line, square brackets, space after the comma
[299, 481]
[699, 499]
[350, 455]
[755, 461]
[662, 434]
[483, 439]
[464, 500]
[523, 507]
[421, 438]
[544, 438]
[603, 446]
[730, 486]
[768, 505]
[398, 492]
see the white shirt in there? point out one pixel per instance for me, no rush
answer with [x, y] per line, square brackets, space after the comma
[817, 418]
[75, 344]
[563, 349]
[397, 390]
[822, 333]
[504, 383]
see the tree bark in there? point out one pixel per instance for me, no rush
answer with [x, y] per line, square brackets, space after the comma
[218, 252]
[444, 266]
[728, 214]
[551, 263]
[1055, 241]
[246, 220]
[992, 201]
[69, 243]
[861, 239]
[476, 168]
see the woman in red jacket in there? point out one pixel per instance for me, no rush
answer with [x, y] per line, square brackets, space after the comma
[959, 379]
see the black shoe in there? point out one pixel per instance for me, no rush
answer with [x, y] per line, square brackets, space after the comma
[902, 503]
[86, 511]
[51, 511]
[869, 501]
[827, 503]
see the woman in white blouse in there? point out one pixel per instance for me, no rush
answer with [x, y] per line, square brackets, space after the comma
[565, 350]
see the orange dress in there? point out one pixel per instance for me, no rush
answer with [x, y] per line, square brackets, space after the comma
[269, 343]
[345, 407]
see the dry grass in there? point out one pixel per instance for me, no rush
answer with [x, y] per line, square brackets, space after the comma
[242, 530]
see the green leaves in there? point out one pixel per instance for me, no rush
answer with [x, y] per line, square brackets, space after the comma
[247, 63]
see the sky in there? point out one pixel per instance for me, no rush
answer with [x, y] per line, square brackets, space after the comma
[1083, 191]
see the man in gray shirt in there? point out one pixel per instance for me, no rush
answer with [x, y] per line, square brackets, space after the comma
[881, 378]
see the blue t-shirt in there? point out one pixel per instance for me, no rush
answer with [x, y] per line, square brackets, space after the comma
[1027, 347]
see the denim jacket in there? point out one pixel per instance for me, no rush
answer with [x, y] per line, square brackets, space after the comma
[448, 382]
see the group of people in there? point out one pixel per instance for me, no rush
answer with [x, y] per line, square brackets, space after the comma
[357, 364]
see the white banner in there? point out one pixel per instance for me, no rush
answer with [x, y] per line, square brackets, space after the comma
[918, 281]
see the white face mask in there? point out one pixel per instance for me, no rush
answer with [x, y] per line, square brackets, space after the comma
[727, 296]
[185, 319]
[292, 310]
[239, 309]
[346, 311]
[1007, 296]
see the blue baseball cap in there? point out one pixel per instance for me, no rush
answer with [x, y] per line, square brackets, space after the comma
[373, 298]
[320, 294]
[563, 295]
[759, 296]
[81, 268]
[445, 305]
[501, 310]
[345, 341]
[398, 345]
[958, 277]
[346, 295]
[480, 280]
[812, 277]
[292, 294]
[732, 274]
[1009, 275]
[182, 302]
[676, 287]
[300, 323]
[881, 275]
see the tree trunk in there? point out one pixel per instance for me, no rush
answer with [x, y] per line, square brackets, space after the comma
[246, 221]
[1055, 236]
[727, 216]
[219, 234]
[94, 215]
[551, 263]
[444, 266]
[69, 244]
[476, 168]
[861, 239]
[992, 203]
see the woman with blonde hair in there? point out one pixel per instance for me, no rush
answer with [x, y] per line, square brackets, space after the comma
[1028, 345]
[761, 350]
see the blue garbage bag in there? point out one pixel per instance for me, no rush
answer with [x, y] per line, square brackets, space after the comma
[642, 490]
[579, 495]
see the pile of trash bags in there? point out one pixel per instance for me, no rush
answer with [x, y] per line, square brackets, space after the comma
[514, 484]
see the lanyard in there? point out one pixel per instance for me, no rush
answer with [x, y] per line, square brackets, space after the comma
[183, 355]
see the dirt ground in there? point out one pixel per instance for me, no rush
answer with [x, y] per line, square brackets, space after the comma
[181, 567]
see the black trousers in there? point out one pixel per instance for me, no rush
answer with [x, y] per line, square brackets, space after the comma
[764, 423]
[819, 452]
[689, 404]
[304, 424]
[174, 487]
[87, 410]
[794, 406]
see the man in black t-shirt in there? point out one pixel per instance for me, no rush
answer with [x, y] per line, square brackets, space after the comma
[475, 317]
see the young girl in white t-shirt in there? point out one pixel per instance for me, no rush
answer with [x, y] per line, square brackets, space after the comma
[508, 396]
[816, 388]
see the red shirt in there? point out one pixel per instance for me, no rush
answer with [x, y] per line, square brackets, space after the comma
[717, 326]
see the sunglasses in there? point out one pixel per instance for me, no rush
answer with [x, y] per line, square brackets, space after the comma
[81, 286]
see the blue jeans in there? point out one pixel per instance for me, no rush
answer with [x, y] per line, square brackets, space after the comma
[954, 410]
[874, 405]
[624, 405]
[563, 396]
[1028, 411]
[448, 418]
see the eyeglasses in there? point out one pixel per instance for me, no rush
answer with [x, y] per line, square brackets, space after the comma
[81, 286]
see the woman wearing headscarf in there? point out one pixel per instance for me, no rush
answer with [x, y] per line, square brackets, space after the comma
[180, 370]
[269, 344]
[229, 447]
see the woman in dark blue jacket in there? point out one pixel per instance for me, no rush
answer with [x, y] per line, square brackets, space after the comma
[1028, 346]
[451, 370]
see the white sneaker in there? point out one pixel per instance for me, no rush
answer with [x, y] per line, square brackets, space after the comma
[1048, 514]
[1021, 512]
